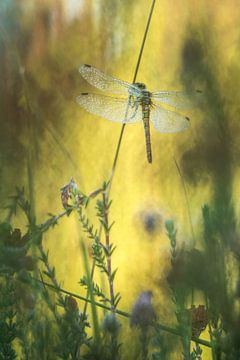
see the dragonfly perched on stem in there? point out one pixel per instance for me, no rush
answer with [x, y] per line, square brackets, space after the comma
[130, 103]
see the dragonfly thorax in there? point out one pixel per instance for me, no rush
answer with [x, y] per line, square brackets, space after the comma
[137, 89]
[139, 94]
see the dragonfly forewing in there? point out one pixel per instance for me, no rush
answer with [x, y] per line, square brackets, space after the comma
[104, 82]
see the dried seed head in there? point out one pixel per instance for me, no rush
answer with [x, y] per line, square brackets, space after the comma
[71, 303]
[69, 192]
[15, 238]
[199, 319]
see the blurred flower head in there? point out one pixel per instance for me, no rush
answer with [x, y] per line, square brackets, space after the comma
[111, 324]
[150, 219]
[143, 314]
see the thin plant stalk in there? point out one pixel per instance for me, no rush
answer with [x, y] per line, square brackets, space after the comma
[144, 344]
[134, 80]
[116, 156]
[186, 198]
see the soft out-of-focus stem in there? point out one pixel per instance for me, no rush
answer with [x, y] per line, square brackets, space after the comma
[91, 295]
[144, 343]
[87, 293]
[187, 201]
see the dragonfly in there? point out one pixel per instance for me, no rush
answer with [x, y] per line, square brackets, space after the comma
[128, 103]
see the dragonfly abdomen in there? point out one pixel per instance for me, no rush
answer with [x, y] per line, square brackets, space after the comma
[146, 102]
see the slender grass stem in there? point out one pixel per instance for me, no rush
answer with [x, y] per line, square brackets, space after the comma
[116, 156]
[31, 148]
[88, 292]
[186, 198]
[144, 40]
[134, 80]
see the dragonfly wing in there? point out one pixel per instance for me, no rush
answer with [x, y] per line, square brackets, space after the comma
[102, 81]
[111, 108]
[167, 121]
[177, 99]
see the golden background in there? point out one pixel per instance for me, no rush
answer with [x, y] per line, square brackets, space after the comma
[46, 138]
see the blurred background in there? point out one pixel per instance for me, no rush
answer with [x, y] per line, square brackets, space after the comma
[46, 138]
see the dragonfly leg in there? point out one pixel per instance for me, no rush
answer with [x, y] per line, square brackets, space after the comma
[134, 104]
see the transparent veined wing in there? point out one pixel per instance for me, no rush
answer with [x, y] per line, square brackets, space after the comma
[102, 81]
[167, 121]
[177, 99]
[111, 108]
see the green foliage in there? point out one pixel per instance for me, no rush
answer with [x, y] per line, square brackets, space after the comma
[71, 330]
[67, 327]
[8, 322]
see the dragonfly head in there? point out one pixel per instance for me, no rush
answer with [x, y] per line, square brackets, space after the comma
[140, 86]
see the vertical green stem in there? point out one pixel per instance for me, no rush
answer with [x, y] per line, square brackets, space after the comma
[144, 344]
[91, 295]
[121, 136]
